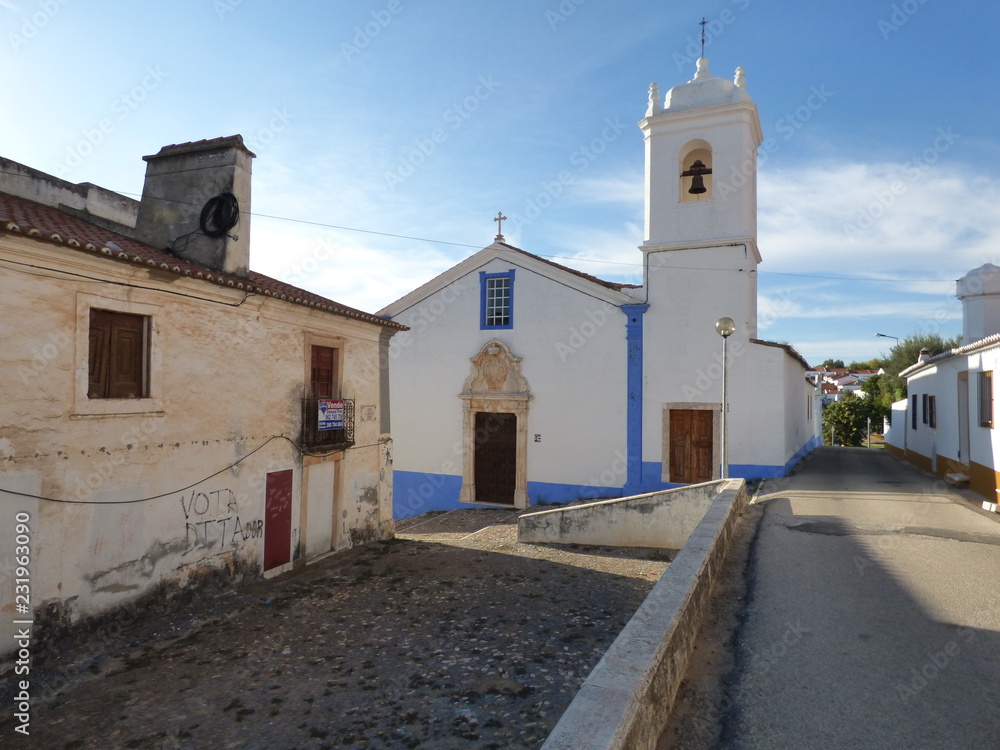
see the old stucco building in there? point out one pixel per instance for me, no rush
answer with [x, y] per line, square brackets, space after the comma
[166, 411]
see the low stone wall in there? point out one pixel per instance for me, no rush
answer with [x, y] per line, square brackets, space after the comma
[663, 520]
[626, 701]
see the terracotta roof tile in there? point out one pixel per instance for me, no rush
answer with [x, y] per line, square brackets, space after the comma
[20, 216]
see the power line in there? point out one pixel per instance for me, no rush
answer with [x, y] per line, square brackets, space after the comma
[295, 445]
[869, 279]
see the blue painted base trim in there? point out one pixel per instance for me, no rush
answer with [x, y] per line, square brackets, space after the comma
[551, 493]
[755, 471]
[651, 481]
[415, 492]
[812, 444]
[764, 471]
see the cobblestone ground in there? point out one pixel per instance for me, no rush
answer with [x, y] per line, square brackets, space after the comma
[453, 635]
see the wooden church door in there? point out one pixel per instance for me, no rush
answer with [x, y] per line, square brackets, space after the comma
[495, 457]
[690, 445]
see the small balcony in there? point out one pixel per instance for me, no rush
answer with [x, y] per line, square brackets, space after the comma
[327, 424]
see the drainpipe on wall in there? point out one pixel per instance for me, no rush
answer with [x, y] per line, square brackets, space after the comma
[633, 429]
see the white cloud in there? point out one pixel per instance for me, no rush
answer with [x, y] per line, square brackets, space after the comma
[878, 219]
[624, 188]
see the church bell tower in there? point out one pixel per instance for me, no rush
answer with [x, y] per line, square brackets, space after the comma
[701, 162]
[700, 236]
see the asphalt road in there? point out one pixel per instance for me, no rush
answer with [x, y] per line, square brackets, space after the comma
[872, 617]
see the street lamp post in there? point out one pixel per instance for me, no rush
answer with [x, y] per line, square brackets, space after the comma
[725, 327]
[887, 336]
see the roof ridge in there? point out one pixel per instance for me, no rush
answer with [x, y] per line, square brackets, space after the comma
[45, 223]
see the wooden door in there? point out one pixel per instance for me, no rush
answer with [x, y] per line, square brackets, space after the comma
[495, 457]
[691, 445]
[278, 519]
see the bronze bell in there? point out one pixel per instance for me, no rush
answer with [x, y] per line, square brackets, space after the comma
[696, 172]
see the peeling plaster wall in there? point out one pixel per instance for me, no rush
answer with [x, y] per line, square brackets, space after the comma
[225, 377]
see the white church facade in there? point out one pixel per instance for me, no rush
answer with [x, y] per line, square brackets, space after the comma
[522, 381]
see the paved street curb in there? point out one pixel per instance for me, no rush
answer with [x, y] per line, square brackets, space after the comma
[627, 699]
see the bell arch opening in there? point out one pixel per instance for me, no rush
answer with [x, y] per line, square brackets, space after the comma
[695, 171]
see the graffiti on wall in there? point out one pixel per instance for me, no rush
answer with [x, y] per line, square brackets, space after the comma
[213, 519]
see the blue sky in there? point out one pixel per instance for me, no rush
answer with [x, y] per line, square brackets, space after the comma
[878, 186]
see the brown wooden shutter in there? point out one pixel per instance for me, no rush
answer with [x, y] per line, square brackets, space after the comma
[100, 352]
[125, 378]
[117, 354]
[324, 368]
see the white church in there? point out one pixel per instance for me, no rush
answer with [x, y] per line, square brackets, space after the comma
[523, 381]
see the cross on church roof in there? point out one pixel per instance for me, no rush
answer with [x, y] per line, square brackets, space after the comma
[703, 23]
[499, 219]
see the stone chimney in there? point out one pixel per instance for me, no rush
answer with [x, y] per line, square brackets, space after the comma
[979, 291]
[187, 205]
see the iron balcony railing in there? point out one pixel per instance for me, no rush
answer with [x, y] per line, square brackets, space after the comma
[327, 424]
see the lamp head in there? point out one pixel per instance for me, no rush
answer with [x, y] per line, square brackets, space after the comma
[725, 327]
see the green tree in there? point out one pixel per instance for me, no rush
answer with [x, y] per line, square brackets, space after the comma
[833, 363]
[845, 421]
[878, 400]
[871, 364]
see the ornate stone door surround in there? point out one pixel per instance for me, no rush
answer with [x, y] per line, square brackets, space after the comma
[495, 384]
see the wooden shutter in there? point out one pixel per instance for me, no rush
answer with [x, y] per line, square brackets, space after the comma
[324, 370]
[125, 376]
[117, 355]
[100, 342]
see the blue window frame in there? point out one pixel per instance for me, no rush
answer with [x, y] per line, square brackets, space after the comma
[496, 300]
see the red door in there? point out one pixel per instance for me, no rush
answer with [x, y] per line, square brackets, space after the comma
[278, 519]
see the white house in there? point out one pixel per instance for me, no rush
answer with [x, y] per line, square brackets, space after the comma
[523, 381]
[947, 424]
